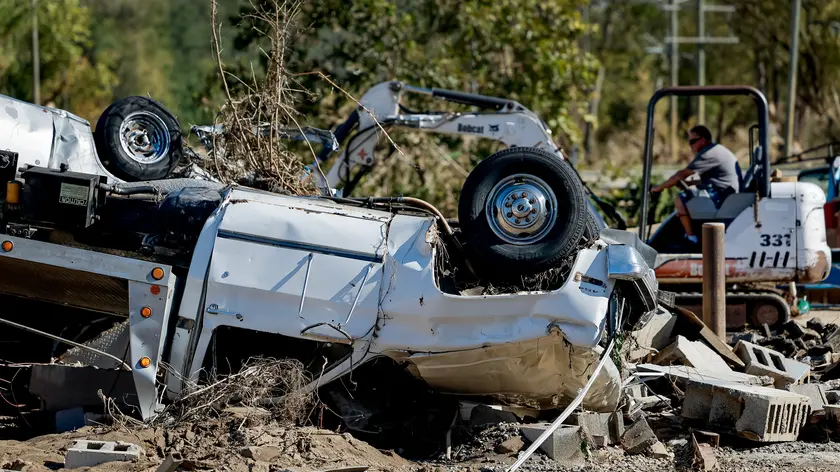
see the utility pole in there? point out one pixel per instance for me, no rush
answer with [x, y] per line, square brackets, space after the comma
[700, 41]
[36, 59]
[794, 59]
[675, 79]
[701, 62]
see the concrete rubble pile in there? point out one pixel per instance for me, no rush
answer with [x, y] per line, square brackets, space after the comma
[685, 389]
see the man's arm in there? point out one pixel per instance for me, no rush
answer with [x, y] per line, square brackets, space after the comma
[674, 180]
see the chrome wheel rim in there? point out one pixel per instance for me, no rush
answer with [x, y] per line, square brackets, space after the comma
[144, 137]
[521, 209]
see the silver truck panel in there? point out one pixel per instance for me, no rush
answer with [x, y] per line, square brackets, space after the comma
[48, 137]
[419, 317]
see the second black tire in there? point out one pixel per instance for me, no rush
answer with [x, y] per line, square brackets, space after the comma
[498, 259]
[108, 137]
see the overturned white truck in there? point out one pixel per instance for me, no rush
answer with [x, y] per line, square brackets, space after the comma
[137, 289]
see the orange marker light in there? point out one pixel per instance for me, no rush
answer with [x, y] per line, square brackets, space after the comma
[157, 273]
[8, 246]
[154, 289]
[145, 312]
[145, 362]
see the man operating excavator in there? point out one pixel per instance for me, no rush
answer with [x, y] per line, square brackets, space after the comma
[720, 175]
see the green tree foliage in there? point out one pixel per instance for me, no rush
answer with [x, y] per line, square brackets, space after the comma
[526, 50]
[70, 76]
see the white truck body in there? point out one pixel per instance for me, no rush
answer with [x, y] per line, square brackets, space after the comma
[310, 268]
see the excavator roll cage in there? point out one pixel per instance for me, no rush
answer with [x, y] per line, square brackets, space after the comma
[760, 162]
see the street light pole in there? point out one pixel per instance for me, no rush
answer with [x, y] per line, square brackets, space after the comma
[794, 60]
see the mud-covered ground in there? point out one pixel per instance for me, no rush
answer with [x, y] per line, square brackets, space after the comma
[240, 440]
[220, 446]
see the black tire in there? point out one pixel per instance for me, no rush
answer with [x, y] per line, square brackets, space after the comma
[591, 233]
[117, 159]
[497, 258]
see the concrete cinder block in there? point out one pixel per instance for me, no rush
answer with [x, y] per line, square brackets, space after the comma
[610, 426]
[762, 361]
[756, 413]
[638, 437]
[692, 354]
[564, 445]
[656, 334]
[816, 394]
[92, 453]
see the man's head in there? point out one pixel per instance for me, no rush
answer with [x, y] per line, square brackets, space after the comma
[699, 137]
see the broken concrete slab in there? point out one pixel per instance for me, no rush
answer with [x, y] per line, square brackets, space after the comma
[684, 373]
[641, 398]
[755, 413]
[638, 437]
[510, 446]
[692, 354]
[609, 426]
[693, 328]
[260, 453]
[816, 394]
[565, 444]
[85, 453]
[655, 336]
[762, 361]
[704, 445]
[659, 451]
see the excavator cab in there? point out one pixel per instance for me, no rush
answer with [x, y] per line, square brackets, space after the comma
[775, 232]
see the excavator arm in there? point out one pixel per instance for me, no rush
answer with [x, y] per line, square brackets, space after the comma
[506, 121]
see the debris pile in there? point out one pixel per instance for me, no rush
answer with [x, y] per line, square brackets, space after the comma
[690, 400]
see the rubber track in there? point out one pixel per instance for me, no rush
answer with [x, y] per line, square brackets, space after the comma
[781, 303]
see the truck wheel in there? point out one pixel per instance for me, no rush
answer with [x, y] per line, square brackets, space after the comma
[591, 232]
[137, 139]
[521, 211]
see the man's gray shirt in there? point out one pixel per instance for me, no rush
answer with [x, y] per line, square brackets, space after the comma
[717, 167]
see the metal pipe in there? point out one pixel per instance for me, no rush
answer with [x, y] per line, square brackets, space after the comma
[66, 341]
[714, 278]
[794, 59]
[568, 411]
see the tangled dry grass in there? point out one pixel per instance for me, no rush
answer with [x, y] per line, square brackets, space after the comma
[281, 380]
[252, 150]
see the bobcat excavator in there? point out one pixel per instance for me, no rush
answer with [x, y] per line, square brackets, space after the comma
[775, 231]
[498, 119]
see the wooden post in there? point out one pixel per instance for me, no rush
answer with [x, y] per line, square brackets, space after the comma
[714, 279]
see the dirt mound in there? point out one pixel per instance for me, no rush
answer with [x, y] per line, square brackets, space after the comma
[230, 443]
